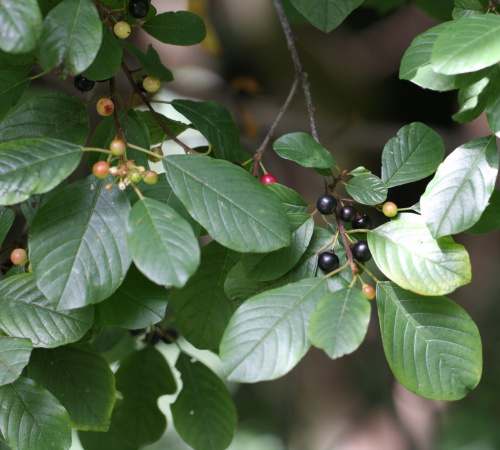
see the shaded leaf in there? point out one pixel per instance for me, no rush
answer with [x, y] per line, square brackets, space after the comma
[14, 355]
[204, 413]
[108, 60]
[26, 313]
[81, 379]
[149, 61]
[79, 251]
[7, 217]
[291, 200]
[490, 219]
[12, 87]
[458, 194]
[21, 25]
[177, 28]
[156, 133]
[472, 99]
[405, 251]
[431, 344]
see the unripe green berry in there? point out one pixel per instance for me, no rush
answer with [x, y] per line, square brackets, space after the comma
[151, 84]
[122, 29]
[135, 177]
[159, 152]
[389, 209]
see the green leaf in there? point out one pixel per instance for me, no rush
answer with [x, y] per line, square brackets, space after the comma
[464, 8]
[238, 286]
[78, 249]
[405, 251]
[149, 61]
[431, 344]
[21, 63]
[55, 115]
[340, 322]
[204, 413]
[14, 355]
[467, 45]
[202, 309]
[34, 166]
[81, 379]
[108, 59]
[21, 24]
[138, 419]
[472, 100]
[458, 194]
[33, 204]
[162, 244]
[367, 189]
[32, 418]
[12, 87]
[304, 150]
[413, 154]
[177, 28]
[326, 14]
[71, 37]
[137, 303]
[275, 264]
[26, 313]
[493, 102]
[235, 208]
[156, 133]
[7, 217]
[273, 323]
[292, 201]
[439, 10]
[490, 219]
[214, 122]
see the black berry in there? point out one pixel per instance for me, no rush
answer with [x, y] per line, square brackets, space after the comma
[83, 84]
[328, 261]
[326, 204]
[138, 8]
[347, 213]
[362, 222]
[361, 252]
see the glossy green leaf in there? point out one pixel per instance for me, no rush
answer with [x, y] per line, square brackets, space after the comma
[137, 303]
[6, 220]
[339, 324]
[405, 251]
[55, 115]
[149, 61]
[26, 313]
[273, 323]
[238, 286]
[108, 60]
[468, 44]
[177, 28]
[71, 37]
[204, 413]
[32, 418]
[214, 122]
[367, 189]
[34, 166]
[31, 206]
[156, 133]
[291, 200]
[12, 87]
[464, 8]
[14, 355]
[201, 308]
[162, 244]
[79, 251]
[490, 219]
[472, 100]
[458, 194]
[304, 150]
[431, 344]
[21, 63]
[275, 264]
[21, 25]
[326, 14]
[81, 379]
[235, 208]
[139, 421]
[413, 154]
[493, 102]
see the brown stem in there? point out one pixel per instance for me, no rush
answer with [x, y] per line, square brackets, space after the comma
[114, 96]
[348, 252]
[298, 66]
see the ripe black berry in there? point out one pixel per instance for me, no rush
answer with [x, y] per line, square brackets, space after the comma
[326, 204]
[328, 261]
[362, 222]
[83, 84]
[138, 8]
[361, 252]
[347, 213]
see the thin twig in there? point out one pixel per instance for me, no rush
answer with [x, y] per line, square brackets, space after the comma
[299, 70]
[258, 153]
[347, 247]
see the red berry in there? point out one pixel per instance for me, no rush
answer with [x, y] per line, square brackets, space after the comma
[19, 256]
[117, 147]
[268, 178]
[101, 169]
[105, 107]
[389, 209]
[150, 177]
[368, 292]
